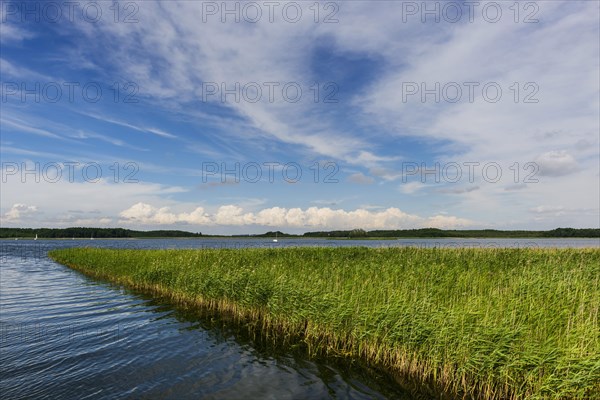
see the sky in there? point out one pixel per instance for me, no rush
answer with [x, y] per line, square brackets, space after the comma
[244, 117]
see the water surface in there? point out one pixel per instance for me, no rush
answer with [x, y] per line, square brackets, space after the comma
[64, 336]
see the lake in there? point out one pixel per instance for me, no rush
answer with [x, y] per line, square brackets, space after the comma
[63, 335]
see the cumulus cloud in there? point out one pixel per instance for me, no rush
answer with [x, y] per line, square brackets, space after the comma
[19, 211]
[63, 203]
[556, 163]
[146, 214]
[312, 217]
[232, 215]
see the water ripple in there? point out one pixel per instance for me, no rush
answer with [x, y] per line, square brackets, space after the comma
[64, 336]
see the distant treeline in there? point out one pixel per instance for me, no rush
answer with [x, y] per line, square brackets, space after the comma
[87, 233]
[271, 234]
[354, 233]
[439, 233]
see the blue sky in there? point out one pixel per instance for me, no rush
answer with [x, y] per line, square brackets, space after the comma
[202, 116]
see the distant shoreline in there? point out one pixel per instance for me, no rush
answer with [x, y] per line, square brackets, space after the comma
[355, 234]
[301, 238]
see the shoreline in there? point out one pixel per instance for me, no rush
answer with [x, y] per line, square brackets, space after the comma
[256, 323]
[306, 238]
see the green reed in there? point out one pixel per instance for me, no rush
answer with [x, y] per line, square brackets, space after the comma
[474, 323]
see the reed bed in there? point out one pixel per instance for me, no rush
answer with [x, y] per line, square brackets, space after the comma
[469, 323]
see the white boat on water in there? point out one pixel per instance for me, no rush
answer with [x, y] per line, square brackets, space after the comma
[35, 238]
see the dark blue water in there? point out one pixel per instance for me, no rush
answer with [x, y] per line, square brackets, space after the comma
[65, 336]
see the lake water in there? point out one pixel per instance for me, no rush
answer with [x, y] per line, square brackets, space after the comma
[65, 336]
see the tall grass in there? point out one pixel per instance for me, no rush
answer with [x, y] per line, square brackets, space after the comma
[494, 323]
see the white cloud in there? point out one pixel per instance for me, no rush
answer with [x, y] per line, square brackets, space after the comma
[55, 201]
[483, 52]
[411, 187]
[360, 178]
[556, 163]
[448, 222]
[233, 215]
[20, 72]
[230, 53]
[154, 131]
[11, 32]
[18, 212]
[385, 174]
[141, 213]
[295, 218]
[547, 209]
[370, 160]
[25, 127]
[169, 54]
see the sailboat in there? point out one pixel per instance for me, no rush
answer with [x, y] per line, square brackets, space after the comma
[35, 238]
[275, 240]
